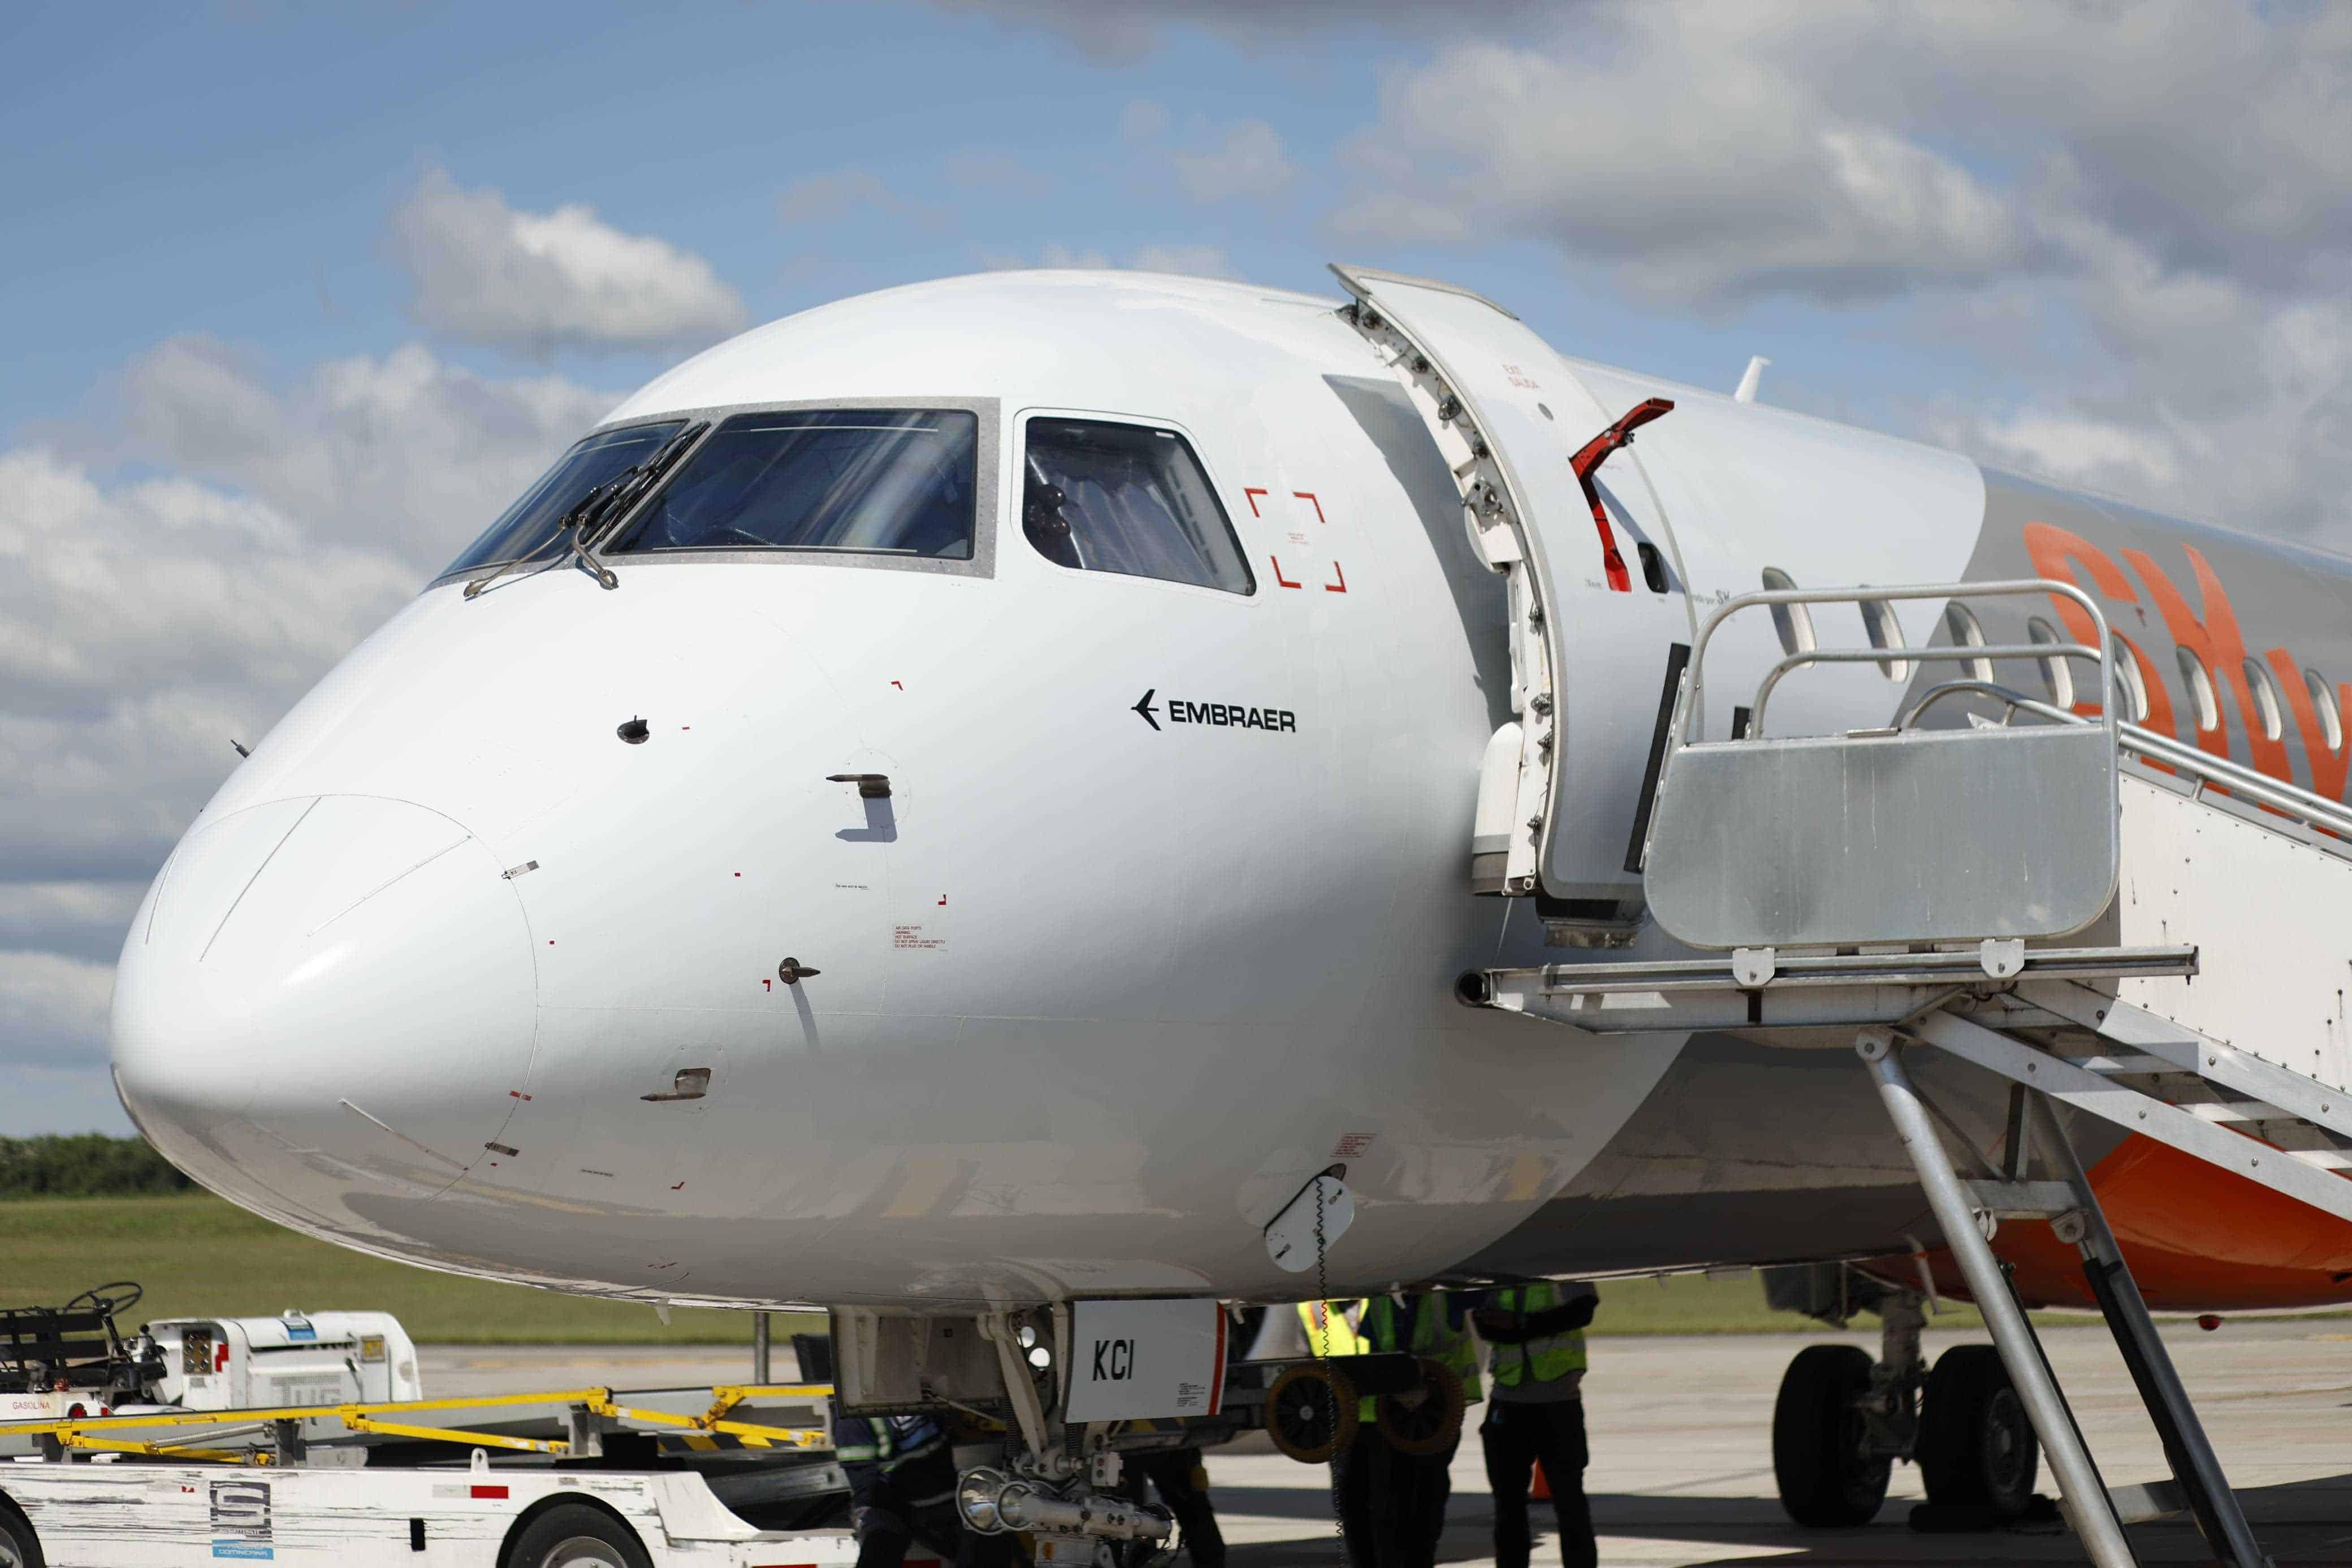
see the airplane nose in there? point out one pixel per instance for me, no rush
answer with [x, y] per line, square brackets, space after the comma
[326, 997]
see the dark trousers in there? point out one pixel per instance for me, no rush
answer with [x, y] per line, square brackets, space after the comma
[1176, 1474]
[912, 1502]
[1391, 1505]
[1517, 1437]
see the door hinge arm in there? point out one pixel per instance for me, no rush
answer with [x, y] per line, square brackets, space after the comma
[1589, 458]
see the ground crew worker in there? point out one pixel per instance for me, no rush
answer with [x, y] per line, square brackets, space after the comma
[1363, 1487]
[902, 1487]
[1535, 1413]
[1182, 1479]
[1428, 1323]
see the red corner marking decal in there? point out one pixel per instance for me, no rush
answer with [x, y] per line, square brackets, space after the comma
[1277, 572]
[1308, 496]
[1340, 586]
[1251, 496]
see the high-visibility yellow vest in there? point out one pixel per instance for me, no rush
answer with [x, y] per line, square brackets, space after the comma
[1331, 1327]
[1547, 1359]
[1429, 1334]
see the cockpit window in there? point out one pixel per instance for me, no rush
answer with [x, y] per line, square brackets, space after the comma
[892, 481]
[527, 528]
[1127, 498]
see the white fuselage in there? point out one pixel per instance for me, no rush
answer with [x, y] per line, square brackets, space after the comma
[1100, 983]
[1096, 999]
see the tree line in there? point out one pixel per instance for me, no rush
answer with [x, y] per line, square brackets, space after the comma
[85, 1164]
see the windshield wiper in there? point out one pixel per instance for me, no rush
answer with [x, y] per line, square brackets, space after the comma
[585, 524]
[613, 499]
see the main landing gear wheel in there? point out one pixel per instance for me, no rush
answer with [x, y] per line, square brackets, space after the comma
[1310, 1412]
[1424, 1419]
[1977, 1448]
[1826, 1476]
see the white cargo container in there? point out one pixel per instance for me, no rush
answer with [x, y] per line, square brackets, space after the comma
[295, 1358]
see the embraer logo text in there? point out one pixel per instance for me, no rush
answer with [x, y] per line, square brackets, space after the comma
[1120, 1355]
[1229, 715]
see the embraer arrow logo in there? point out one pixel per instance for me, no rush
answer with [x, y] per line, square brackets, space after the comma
[1220, 715]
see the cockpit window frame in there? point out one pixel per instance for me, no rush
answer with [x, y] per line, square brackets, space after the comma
[1018, 446]
[987, 496]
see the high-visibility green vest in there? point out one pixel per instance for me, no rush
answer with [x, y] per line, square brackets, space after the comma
[1430, 1334]
[1544, 1360]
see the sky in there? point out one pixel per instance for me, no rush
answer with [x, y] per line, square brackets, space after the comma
[294, 299]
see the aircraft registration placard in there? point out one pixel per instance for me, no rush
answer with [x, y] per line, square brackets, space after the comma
[1138, 1359]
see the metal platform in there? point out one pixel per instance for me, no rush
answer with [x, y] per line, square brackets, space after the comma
[1907, 889]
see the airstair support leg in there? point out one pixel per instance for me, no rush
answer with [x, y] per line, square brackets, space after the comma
[2195, 1466]
[2083, 1493]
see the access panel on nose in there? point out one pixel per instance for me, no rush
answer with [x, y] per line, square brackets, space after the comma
[1602, 602]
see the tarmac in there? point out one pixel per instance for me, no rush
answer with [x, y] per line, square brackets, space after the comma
[1680, 1435]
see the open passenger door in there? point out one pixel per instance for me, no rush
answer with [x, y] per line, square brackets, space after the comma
[1597, 597]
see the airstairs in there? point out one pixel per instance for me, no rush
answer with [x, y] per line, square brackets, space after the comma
[2122, 927]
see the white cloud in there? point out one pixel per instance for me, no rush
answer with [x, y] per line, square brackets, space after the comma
[407, 453]
[149, 619]
[79, 919]
[486, 273]
[52, 1008]
[1247, 161]
[2149, 207]
[143, 626]
[1699, 175]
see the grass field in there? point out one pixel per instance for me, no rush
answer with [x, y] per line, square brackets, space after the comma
[198, 1256]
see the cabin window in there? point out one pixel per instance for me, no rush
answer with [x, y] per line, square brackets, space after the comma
[2267, 712]
[1790, 621]
[894, 481]
[1960, 625]
[1129, 499]
[2323, 702]
[2201, 695]
[2056, 678]
[2125, 660]
[1885, 634]
[527, 528]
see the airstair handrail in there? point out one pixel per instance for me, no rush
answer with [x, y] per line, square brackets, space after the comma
[2010, 699]
[2305, 806]
[1960, 653]
[1694, 710]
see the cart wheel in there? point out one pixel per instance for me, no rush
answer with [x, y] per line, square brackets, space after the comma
[575, 1535]
[1310, 1412]
[1426, 1420]
[19, 1547]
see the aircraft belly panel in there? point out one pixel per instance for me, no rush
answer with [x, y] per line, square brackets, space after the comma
[1750, 1153]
